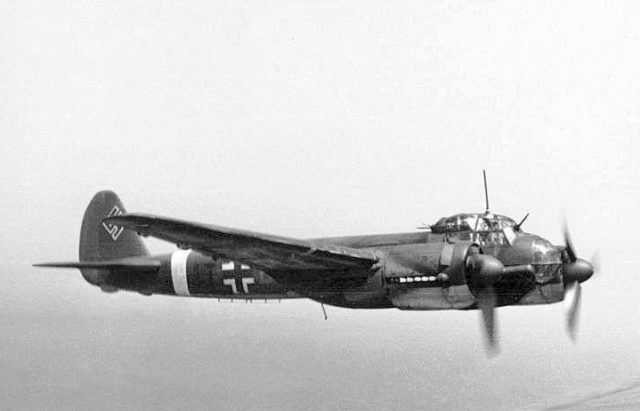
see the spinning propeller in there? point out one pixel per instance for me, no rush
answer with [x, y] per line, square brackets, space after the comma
[485, 271]
[576, 270]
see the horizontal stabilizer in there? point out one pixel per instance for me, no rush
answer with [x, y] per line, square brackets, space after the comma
[132, 264]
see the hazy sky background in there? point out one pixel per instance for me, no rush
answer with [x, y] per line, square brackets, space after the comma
[310, 119]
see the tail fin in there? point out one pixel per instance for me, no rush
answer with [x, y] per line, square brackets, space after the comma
[101, 241]
[107, 250]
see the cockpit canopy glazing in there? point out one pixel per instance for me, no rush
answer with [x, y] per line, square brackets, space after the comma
[486, 229]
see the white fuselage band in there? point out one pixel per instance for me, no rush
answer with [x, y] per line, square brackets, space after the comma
[179, 272]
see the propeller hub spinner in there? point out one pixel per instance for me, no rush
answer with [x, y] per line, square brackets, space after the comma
[485, 269]
[577, 271]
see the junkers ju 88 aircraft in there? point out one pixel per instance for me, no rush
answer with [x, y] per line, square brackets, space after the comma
[464, 262]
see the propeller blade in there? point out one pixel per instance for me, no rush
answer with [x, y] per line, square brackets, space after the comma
[487, 305]
[568, 244]
[574, 310]
[485, 271]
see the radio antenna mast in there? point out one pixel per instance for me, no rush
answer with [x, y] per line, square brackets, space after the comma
[486, 191]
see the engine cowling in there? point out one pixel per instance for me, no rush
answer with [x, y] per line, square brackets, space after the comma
[453, 261]
[441, 285]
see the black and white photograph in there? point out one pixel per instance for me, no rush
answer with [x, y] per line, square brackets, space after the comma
[312, 205]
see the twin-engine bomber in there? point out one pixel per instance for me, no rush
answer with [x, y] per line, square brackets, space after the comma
[464, 262]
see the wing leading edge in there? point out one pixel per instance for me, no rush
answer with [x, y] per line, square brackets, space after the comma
[263, 251]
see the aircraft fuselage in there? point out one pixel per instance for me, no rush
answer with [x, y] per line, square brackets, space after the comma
[410, 277]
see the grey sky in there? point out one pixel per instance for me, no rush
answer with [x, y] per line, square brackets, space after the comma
[313, 119]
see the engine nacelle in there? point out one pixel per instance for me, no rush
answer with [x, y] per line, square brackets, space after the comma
[453, 261]
[441, 285]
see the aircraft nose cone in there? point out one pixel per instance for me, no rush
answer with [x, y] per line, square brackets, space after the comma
[579, 270]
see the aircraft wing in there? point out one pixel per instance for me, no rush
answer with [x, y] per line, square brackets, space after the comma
[262, 251]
